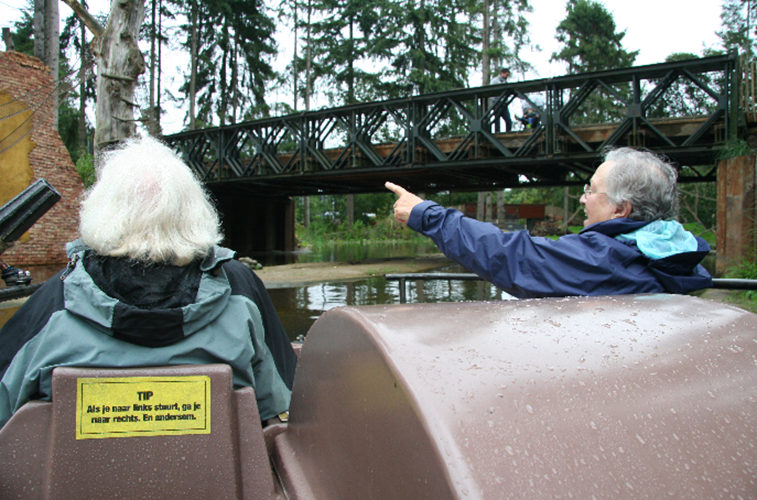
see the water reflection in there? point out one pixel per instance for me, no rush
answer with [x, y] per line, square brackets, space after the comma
[299, 307]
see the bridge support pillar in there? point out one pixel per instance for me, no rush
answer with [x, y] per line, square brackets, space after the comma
[737, 212]
[255, 224]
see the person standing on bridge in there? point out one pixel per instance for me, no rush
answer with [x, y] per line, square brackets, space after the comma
[147, 285]
[503, 111]
[630, 242]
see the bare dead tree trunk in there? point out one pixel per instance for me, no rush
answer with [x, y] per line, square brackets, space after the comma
[52, 40]
[193, 61]
[119, 64]
[351, 64]
[485, 64]
[39, 29]
[485, 78]
[47, 42]
[295, 73]
[158, 127]
[308, 89]
[419, 62]
[496, 31]
[234, 77]
[151, 115]
[308, 60]
[222, 75]
[84, 57]
[8, 39]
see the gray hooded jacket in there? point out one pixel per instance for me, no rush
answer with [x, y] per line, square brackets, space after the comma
[71, 321]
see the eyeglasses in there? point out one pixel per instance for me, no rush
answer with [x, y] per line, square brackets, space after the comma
[588, 192]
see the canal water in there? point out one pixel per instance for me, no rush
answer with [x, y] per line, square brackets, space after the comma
[299, 306]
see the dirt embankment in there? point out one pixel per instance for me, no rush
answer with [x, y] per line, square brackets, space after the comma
[318, 272]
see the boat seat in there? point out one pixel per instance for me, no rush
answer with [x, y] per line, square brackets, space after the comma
[133, 433]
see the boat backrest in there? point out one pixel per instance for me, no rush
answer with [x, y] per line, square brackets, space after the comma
[165, 432]
[629, 397]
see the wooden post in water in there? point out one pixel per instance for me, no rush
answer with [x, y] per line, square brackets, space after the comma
[737, 212]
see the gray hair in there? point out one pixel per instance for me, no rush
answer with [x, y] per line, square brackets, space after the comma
[645, 180]
[148, 205]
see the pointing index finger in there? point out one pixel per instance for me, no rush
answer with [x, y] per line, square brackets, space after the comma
[398, 190]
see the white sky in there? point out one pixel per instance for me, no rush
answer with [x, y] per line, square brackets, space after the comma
[657, 28]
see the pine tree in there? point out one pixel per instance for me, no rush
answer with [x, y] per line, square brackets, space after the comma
[152, 31]
[590, 42]
[738, 19]
[432, 46]
[230, 43]
[344, 49]
[73, 126]
[508, 35]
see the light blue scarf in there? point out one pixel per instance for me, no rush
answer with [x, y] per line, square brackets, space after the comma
[661, 238]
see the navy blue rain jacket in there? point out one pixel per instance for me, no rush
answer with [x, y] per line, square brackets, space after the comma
[590, 263]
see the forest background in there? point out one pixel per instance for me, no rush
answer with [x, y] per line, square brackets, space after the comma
[217, 62]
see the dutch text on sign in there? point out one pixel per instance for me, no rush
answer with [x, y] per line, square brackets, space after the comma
[142, 406]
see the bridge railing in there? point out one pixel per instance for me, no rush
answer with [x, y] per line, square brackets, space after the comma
[683, 109]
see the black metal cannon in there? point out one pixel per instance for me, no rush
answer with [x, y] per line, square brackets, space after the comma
[16, 217]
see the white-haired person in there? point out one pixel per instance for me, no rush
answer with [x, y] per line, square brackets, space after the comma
[630, 242]
[147, 284]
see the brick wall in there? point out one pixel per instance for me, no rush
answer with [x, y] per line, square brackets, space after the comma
[27, 79]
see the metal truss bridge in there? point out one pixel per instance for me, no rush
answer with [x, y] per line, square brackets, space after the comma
[446, 141]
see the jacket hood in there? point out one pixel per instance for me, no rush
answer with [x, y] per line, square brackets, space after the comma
[680, 270]
[148, 321]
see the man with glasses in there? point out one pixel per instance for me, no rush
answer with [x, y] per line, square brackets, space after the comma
[630, 243]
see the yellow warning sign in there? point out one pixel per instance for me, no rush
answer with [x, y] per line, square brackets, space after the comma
[142, 406]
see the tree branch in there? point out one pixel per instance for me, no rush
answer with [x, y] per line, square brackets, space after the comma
[85, 17]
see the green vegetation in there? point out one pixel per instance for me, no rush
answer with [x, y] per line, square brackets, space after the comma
[322, 232]
[747, 269]
[737, 19]
[735, 147]
[85, 166]
[697, 229]
[590, 42]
